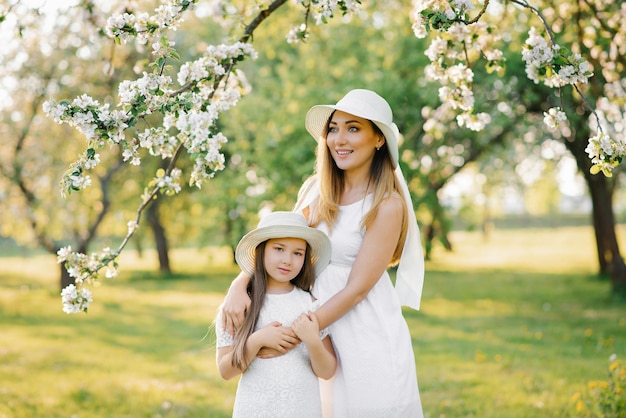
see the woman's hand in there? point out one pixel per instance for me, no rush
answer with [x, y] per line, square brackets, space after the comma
[236, 304]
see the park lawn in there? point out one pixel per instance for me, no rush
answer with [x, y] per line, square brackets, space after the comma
[513, 326]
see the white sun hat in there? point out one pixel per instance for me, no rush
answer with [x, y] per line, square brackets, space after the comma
[283, 225]
[365, 104]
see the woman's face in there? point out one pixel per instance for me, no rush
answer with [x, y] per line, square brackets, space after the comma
[352, 141]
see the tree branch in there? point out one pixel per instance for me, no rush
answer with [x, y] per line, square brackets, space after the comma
[540, 15]
[247, 37]
[263, 14]
[106, 203]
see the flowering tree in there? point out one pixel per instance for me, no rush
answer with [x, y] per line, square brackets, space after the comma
[589, 114]
[36, 52]
[212, 84]
[208, 86]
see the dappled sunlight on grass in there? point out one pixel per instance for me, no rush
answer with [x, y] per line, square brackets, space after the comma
[504, 331]
[144, 348]
[444, 308]
[521, 329]
[570, 249]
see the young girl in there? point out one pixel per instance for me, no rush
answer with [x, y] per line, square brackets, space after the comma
[283, 255]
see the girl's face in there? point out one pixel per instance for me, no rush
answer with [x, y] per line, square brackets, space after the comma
[352, 141]
[284, 258]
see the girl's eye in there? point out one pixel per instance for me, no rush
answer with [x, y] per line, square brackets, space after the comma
[331, 129]
[299, 254]
[353, 129]
[279, 249]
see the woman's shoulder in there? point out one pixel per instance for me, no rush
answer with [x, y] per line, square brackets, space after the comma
[391, 204]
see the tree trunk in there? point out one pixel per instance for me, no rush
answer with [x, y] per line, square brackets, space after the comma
[601, 189]
[152, 216]
[66, 279]
[609, 257]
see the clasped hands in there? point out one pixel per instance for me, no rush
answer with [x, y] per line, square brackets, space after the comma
[279, 339]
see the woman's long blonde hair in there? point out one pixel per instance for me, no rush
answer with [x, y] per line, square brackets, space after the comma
[382, 183]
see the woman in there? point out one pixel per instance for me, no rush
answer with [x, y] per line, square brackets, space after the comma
[359, 198]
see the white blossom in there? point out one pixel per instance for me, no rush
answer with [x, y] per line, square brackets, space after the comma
[297, 34]
[75, 300]
[132, 226]
[111, 272]
[64, 253]
[553, 117]
[90, 163]
[539, 55]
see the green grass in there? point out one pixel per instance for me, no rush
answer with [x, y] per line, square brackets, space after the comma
[509, 327]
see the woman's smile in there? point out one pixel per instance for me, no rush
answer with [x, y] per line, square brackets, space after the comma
[352, 141]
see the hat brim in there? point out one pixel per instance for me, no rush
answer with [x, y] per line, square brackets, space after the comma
[317, 118]
[317, 240]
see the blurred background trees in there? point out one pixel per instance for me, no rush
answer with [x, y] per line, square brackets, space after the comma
[458, 177]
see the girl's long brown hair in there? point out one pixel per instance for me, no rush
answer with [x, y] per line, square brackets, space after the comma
[257, 289]
[382, 183]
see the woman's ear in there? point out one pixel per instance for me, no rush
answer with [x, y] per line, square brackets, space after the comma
[380, 142]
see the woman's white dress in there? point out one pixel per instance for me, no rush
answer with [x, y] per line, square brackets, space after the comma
[376, 377]
[284, 386]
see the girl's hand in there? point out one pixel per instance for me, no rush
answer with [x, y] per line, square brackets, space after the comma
[236, 304]
[306, 327]
[277, 338]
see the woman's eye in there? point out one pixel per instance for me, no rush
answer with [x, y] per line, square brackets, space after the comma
[299, 254]
[353, 129]
[332, 129]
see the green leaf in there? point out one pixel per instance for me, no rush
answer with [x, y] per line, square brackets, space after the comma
[560, 60]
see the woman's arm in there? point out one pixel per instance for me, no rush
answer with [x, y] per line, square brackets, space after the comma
[321, 351]
[379, 243]
[236, 303]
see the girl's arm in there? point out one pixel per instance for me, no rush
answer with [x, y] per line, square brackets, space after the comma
[233, 312]
[321, 351]
[378, 246]
[272, 335]
[236, 303]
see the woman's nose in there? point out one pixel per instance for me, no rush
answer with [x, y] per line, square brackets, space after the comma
[340, 137]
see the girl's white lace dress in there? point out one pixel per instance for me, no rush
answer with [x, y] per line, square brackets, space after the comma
[284, 386]
[376, 375]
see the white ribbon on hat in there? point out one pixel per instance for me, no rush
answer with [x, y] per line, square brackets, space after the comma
[410, 272]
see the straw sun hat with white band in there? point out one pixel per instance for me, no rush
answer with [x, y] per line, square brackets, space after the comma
[365, 104]
[283, 225]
